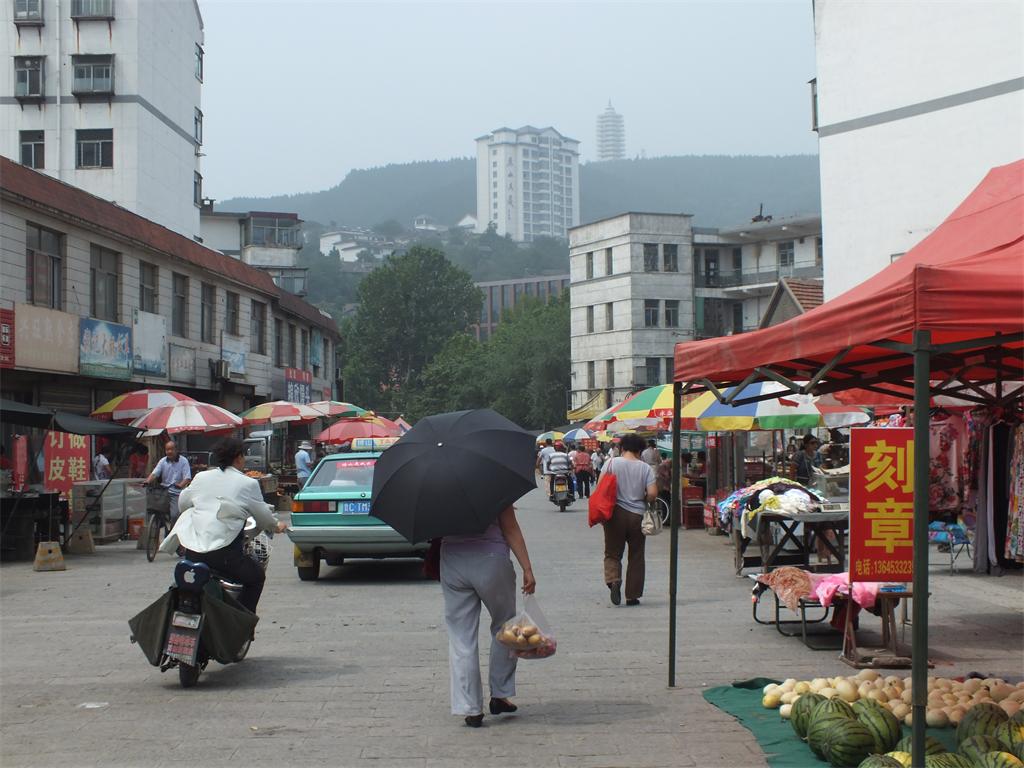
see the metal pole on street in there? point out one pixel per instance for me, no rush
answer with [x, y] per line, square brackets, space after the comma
[673, 568]
[919, 650]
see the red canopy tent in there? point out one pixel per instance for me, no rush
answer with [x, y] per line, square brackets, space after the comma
[945, 319]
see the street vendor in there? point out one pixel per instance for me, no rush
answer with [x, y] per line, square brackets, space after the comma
[303, 462]
[806, 459]
[174, 473]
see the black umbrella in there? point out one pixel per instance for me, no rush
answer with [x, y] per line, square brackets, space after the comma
[452, 474]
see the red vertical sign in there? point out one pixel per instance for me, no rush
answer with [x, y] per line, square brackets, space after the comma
[6, 338]
[881, 504]
[66, 461]
[19, 464]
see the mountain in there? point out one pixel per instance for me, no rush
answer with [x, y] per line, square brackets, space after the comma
[718, 190]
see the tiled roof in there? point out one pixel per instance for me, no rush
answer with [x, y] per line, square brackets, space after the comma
[808, 294]
[45, 191]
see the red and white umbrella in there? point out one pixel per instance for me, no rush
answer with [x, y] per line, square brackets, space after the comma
[346, 430]
[278, 412]
[187, 416]
[334, 408]
[131, 405]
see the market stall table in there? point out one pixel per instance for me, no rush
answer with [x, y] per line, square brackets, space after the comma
[815, 526]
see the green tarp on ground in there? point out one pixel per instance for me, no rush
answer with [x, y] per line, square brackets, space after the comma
[781, 746]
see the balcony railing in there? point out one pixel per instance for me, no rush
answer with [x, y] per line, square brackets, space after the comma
[738, 279]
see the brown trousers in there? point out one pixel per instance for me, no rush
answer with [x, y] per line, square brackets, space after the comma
[622, 530]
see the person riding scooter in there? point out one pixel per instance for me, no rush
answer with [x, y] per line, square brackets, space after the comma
[212, 515]
[559, 465]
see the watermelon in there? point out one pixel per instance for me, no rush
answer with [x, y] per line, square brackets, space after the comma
[932, 746]
[834, 706]
[883, 726]
[998, 760]
[863, 704]
[903, 758]
[980, 720]
[803, 711]
[1018, 718]
[975, 746]
[947, 760]
[1011, 736]
[848, 742]
[880, 761]
[818, 736]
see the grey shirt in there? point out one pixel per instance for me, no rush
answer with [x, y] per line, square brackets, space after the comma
[632, 479]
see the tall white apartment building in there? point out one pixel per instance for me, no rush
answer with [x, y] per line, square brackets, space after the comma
[611, 135]
[105, 95]
[914, 102]
[527, 183]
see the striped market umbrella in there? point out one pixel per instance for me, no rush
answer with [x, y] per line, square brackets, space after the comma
[576, 434]
[131, 405]
[346, 430]
[186, 416]
[544, 436]
[279, 411]
[334, 408]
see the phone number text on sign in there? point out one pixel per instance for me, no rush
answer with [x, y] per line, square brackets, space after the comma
[881, 504]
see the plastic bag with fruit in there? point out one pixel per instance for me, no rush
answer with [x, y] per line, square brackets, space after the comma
[528, 635]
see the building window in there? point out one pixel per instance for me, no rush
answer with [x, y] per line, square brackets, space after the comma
[33, 149]
[197, 126]
[197, 188]
[103, 279]
[328, 364]
[652, 372]
[199, 62]
[814, 103]
[278, 343]
[609, 373]
[93, 75]
[609, 316]
[148, 287]
[670, 258]
[671, 313]
[44, 268]
[786, 253]
[591, 379]
[670, 369]
[304, 348]
[737, 260]
[28, 11]
[711, 265]
[94, 148]
[608, 261]
[92, 9]
[651, 307]
[258, 327]
[274, 232]
[590, 265]
[231, 313]
[29, 76]
[819, 253]
[293, 345]
[650, 257]
[590, 319]
[179, 305]
[208, 313]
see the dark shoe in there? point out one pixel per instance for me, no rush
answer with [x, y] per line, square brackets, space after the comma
[499, 706]
[474, 721]
[633, 601]
[616, 590]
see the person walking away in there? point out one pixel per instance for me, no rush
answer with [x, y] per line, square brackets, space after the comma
[651, 455]
[474, 570]
[214, 508]
[174, 473]
[101, 464]
[636, 487]
[583, 466]
[544, 456]
[596, 462]
[558, 464]
[303, 464]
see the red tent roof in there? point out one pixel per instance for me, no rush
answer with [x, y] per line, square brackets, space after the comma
[964, 281]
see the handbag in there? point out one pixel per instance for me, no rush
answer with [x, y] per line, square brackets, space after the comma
[602, 500]
[651, 525]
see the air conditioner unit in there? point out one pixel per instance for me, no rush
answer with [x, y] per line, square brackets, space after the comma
[221, 369]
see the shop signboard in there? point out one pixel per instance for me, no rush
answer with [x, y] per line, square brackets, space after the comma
[182, 364]
[233, 349]
[6, 338]
[19, 463]
[65, 461]
[150, 343]
[881, 504]
[298, 385]
[45, 339]
[105, 349]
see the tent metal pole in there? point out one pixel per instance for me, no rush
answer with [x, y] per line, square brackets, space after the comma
[674, 528]
[919, 651]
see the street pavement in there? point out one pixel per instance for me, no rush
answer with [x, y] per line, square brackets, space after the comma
[352, 670]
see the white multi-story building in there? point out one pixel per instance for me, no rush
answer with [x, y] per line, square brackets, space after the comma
[915, 102]
[611, 135]
[262, 239]
[527, 183]
[105, 96]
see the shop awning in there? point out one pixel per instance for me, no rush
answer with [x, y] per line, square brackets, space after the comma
[964, 283]
[12, 412]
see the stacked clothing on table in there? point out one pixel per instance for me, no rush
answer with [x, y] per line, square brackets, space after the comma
[739, 510]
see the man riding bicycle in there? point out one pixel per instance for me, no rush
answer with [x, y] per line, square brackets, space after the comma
[174, 473]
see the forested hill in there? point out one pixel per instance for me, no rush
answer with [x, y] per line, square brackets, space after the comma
[718, 190]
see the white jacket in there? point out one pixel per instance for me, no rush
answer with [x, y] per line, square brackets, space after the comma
[213, 510]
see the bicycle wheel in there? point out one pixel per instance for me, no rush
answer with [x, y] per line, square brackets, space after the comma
[153, 536]
[663, 510]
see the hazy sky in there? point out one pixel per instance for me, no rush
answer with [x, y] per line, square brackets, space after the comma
[298, 93]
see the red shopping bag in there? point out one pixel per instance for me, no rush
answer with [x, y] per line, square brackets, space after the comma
[602, 500]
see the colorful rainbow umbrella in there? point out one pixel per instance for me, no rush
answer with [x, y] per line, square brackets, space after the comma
[544, 436]
[334, 408]
[279, 411]
[131, 405]
[576, 434]
[785, 411]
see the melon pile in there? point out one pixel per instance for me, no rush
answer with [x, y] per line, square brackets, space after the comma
[856, 721]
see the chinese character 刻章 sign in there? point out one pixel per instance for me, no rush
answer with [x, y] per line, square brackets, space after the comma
[65, 461]
[881, 504]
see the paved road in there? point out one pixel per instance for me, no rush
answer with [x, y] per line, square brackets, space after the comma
[352, 670]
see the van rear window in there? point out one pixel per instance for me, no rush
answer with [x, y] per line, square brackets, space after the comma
[343, 475]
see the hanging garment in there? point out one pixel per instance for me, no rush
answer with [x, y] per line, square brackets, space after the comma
[981, 505]
[945, 486]
[1014, 548]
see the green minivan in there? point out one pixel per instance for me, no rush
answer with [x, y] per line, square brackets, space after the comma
[331, 517]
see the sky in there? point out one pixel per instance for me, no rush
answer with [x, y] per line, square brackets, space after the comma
[296, 94]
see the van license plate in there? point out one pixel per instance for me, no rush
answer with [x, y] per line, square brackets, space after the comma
[355, 507]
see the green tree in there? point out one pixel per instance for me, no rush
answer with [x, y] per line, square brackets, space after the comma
[391, 229]
[452, 381]
[408, 310]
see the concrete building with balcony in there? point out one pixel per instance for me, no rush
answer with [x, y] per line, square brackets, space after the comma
[266, 240]
[527, 183]
[105, 96]
[501, 296]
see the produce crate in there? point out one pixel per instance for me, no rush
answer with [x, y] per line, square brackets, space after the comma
[693, 515]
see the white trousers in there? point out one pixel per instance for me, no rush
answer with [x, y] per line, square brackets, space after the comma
[467, 580]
